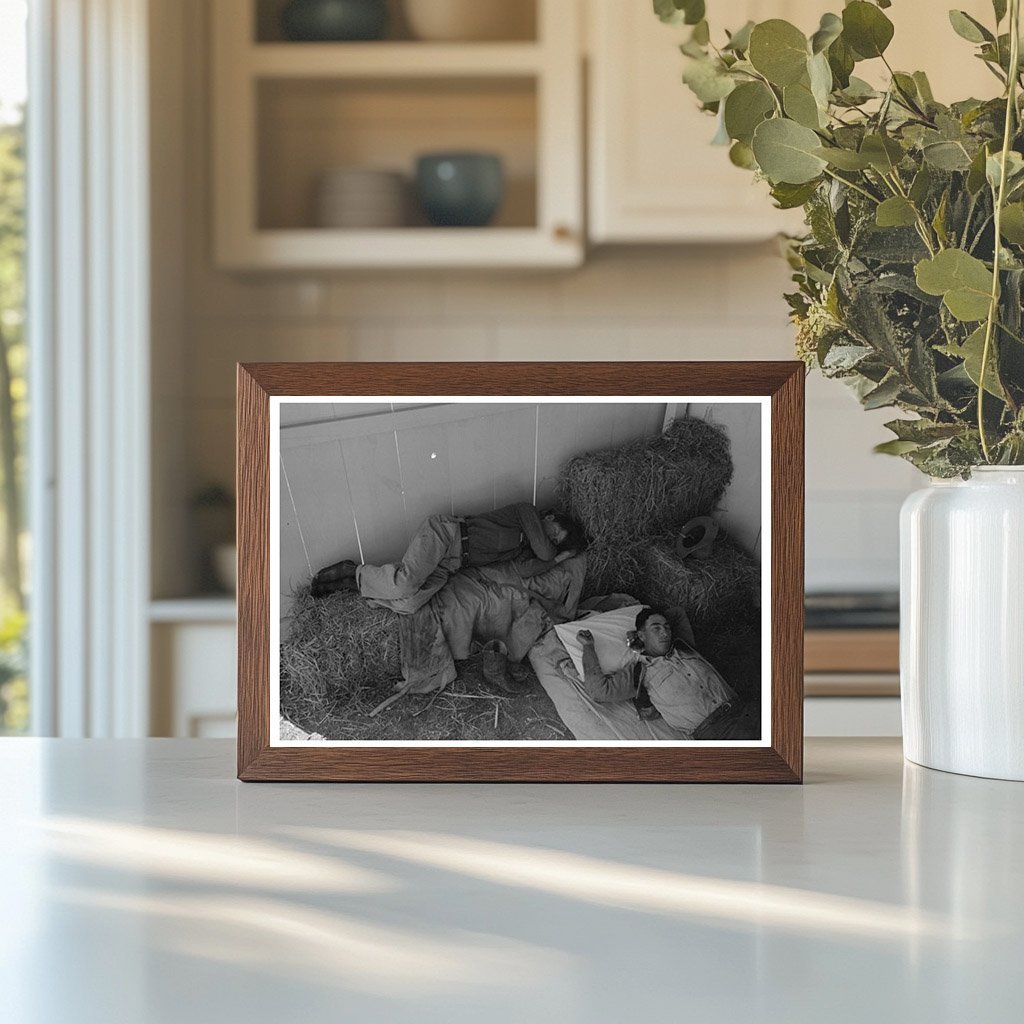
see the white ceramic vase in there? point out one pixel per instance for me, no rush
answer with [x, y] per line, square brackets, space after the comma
[962, 624]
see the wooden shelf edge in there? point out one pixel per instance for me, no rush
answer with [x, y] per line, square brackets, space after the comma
[852, 650]
[211, 608]
[851, 684]
[408, 248]
[392, 60]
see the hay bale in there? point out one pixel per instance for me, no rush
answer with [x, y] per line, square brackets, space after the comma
[714, 591]
[336, 646]
[624, 497]
[651, 486]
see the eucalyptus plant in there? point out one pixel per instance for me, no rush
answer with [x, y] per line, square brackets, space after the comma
[911, 276]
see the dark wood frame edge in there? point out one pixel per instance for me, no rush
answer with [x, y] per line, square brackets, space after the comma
[258, 761]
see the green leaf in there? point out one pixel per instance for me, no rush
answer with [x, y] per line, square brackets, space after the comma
[921, 186]
[820, 76]
[968, 28]
[971, 352]
[858, 91]
[785, 152]
[1014, 169]
[701, 33]
[708, 81]
[866, 29]
[844, 159]
[906, 89]
[841, 60]
[939, 220]
[1012, 224]
[676, 12]
[800, 105]
[778, 50]
[745, 108]
[976, 174]
[789, 197]
[742, 155]
[896, 212]
[721, 137]
[997, 53]
[963, 281]
[694, 10]
[999, 6]
[883, 153]
[923, 431]
[946, 156]
[885, 394]
[924, 88]
[895, 447]
[739, 41]
[830, 29]
[668, 12]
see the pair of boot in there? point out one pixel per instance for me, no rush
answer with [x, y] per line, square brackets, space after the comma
[497, 669]
[334, 579]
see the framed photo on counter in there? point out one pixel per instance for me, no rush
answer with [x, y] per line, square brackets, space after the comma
[517, 572]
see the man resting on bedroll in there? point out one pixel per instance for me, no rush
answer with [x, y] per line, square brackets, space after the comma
[668, 678]
[444, 544]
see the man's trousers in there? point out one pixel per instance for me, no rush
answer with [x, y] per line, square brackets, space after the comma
[433, 554]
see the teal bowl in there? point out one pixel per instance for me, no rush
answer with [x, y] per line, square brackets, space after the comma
[460, 190]
[334, 21]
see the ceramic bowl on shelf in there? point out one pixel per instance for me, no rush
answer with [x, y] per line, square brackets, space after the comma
[471, 20]
[225, 566]
[334, 21]
[460, 189]
[361, 198]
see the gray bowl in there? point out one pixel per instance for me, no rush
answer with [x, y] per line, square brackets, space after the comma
[334, 20]
[461, 190]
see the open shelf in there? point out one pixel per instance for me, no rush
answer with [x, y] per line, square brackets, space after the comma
[393, 60]
[287, 113]
[521, 16]
[306, 128]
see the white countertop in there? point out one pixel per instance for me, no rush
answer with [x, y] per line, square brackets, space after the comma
[143, 884]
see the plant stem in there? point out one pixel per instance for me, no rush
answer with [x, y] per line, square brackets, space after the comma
[768, 85]
[855, 187]
[977, 238]
[993, 309]
[922, 225]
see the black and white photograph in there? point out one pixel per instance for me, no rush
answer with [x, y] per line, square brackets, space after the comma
[519, 571]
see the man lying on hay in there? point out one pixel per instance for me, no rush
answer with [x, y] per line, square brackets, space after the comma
[668, 679]
[444, 544]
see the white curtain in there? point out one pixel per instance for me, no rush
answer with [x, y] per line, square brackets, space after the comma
[88, 317]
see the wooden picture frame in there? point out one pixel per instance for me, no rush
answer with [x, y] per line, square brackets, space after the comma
[778, 386]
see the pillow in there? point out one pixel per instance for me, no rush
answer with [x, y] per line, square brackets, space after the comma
[609, 629]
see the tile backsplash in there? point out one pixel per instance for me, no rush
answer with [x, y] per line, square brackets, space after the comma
[702, 303]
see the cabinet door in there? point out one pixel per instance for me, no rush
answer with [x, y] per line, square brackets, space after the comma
[654, 175]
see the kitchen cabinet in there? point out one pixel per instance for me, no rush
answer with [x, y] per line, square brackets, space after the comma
[193, 672]
[286, 113]
[852, 682]
[653, 175]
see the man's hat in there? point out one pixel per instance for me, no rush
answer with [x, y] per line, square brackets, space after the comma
[696, 538]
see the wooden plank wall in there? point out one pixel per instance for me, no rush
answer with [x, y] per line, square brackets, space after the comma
[357, 479]
[741, 505]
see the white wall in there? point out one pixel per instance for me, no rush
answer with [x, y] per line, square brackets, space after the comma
[358, 485]
[741, 504]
